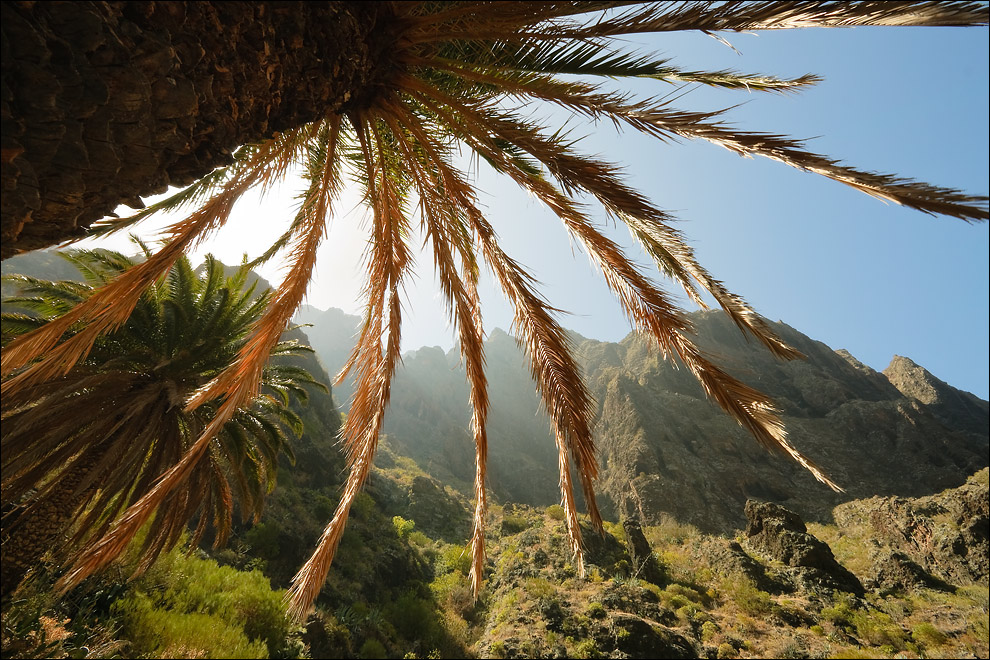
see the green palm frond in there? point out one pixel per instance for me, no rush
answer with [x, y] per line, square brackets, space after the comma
[118, 417]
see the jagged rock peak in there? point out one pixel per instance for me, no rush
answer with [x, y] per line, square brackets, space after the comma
[953, 406]
[914, 380]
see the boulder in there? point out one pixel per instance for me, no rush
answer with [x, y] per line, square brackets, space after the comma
[781, 535]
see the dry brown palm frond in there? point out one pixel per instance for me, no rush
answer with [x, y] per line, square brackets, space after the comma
[442, 229]
[649, 311]
[654, 118]
[388, 263]
[649, 224]
[667, 123]
[480, 20]
[739, 16]
[558, 378]
[242, 378]
[707, 17]
[600, 179]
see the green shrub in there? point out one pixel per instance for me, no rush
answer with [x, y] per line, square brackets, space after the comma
[587, 648]
[413, 617]
[691, 594]
[371, 648]
[453, 558]
[402, 526]
[556, 512]
[185, 596]
[746, 596]
[726, 650]
[709, 630]
[263, 539]
[364, 507]
[420, 539]
[156, 632]
[512, 524]
[596, 610]
[927, 634]
[539, 588]
[878, 629]
[841, 614]
[453, 591]
[688, 613]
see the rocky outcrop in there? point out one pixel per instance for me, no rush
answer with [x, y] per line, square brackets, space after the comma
[945, 535]
[666, 449]
[644, 564]
[728, 560]
[953, 407]
[895, 572]
[782, 536]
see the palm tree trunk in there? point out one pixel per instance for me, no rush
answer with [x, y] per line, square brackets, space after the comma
[27, 537]
[105, 101]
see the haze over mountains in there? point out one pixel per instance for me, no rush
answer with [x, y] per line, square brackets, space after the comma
[664, 448]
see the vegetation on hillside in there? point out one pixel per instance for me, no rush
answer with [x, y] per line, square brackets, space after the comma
[403, 592]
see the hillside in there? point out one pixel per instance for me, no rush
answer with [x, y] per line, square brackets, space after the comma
[901, 432]
[697, 560]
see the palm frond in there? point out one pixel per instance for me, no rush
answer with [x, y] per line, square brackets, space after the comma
[388, 263]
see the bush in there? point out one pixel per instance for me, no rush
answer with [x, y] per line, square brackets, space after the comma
[749, 598]
[512, 524]
[157, 632]
[927, 634]
[263, 539]
[878, 629]
[186, 598]
[726, 650]
[371, 648]
[596, 610]
[587, 648]
[556, 512]
[402, 526]
[453, 558]
[841, 614]
[420, 539]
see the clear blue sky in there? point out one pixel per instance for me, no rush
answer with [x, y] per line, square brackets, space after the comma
[842, 267]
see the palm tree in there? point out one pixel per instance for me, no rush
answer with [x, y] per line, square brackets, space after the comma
[424, 80]
[94, 440]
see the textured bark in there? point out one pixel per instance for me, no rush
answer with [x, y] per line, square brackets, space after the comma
[103, 102]
[28, 537]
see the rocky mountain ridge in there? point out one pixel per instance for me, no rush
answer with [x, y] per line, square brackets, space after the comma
[665, 450]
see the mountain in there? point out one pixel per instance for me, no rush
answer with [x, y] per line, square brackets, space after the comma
[332, 335]
[666, 450]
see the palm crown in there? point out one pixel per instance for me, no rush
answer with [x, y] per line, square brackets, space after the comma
[96, 438]
[458, 76]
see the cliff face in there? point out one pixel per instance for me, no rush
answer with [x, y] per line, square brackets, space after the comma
[665, 449]
[956, 408]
